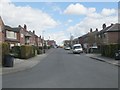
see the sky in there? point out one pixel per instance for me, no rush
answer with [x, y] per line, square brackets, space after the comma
[59, 20]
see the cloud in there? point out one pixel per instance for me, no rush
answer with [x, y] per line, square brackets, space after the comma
[88, 22]
[57, 36]
[70, 20]
[107, 12]
[92, 18]
[78, 9]
[35, 19]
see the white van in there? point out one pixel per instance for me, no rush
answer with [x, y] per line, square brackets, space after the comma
[77, 48]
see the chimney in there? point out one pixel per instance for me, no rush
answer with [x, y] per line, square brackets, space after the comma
[97, 29]
[104, 26]
[19, 25]
[90, 29]
[25, 27]
[111, 24]
[40, 36]
[33, 31]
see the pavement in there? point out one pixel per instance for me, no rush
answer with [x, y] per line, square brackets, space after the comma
[23, 64]
[104, 59]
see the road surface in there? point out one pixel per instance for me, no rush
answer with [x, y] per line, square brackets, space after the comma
[61, 69]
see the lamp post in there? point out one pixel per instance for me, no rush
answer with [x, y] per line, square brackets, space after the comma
[43, 43]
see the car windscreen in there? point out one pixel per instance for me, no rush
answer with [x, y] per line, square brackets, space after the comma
[76, 47]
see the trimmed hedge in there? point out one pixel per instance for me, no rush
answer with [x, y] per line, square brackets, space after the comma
[109, 50]
[27, 51]
[5, 49]
[16, 50]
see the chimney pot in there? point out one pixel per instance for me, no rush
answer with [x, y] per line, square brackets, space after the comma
[104, 26]
[34, 31]
[25, 27]
[90, 29]
[111, 24]
[96, 29]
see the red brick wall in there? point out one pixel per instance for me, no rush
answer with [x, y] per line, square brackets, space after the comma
[113, 37]
[0, 36]
[22, 39]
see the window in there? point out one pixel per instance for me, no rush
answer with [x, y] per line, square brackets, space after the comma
[11, 35]
[22, 35]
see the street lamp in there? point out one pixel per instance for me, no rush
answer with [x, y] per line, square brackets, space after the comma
[43, 43]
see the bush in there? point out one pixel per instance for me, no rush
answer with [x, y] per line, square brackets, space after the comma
[5, 49]
[49, 47]
[109, 50]
[27, 51]
[16, 51]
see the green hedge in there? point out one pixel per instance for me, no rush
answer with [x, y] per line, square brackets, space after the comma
[16, 50]
[5, 49]
[27, 51]
[39, 50]
[109, 50]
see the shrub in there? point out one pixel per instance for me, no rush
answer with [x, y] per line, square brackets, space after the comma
[16, 51]
[109, 50]
[27, 51]
[5, 49]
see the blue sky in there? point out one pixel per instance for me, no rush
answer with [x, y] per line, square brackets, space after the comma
[62, 19]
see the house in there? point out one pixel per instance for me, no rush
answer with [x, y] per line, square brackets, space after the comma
[51, 43]
[1, 30]
[83, 41]
[110, 35]
[24, 35]
[67, 42]
[75, 41]
[12, 35]
[32, 38]
[40, 41]
[28, 37]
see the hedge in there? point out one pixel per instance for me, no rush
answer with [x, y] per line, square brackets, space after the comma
[16, 50]
[27, 51]
[5, 49]
[109, 50]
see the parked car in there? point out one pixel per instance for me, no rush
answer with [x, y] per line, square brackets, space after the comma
[117, 55]
[77, 48]
[67, 48]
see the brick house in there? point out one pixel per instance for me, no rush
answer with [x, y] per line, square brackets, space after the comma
[67, 42]
[39, 41]
[51, 43]
[32, 38]
[12, 35]
[75, 41]
[24, 36]
[110, 34]
[82, 40]
[28, 37]
[1, 30]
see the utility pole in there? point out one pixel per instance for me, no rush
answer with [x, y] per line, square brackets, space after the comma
[43, 42]
[71, 40]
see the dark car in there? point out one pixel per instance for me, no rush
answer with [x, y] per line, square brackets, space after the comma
[117, 55]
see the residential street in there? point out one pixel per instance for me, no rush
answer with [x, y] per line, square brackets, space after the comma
[62, 69]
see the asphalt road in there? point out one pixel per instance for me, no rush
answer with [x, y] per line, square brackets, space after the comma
[61, 69]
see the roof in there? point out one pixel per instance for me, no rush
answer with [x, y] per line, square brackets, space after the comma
[104, 30]
[16, 29]
[114, 28]
[27, 34]
[1, 21]
[83, 36]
